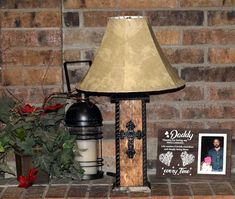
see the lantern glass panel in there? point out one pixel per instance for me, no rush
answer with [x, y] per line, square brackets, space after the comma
[89, 141]
[88, 155]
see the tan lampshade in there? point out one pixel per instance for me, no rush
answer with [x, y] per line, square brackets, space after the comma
[130, 60]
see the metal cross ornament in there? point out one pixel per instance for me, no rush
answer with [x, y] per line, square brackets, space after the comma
[130, 135]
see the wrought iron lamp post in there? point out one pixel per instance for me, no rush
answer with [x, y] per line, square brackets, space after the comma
[130, 65]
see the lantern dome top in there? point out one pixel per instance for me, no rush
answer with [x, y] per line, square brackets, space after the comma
[83, 114]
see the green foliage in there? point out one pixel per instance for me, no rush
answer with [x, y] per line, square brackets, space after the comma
[38, 132]
[6, 105]
[3, 164]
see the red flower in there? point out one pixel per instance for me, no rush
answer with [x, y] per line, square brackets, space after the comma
[27, 108]
[32, 175]
[23, 182]
[27, 181]
[53, 108]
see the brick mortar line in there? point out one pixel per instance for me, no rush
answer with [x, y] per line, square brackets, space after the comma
[167, 46]
[181, 27]
[30, 67]
[192, 120]
[181, 37]
[62, 45]
[81, 19]
[36, 48]
[199, 46]
[28, 10]
[196, 84]
[160, 28]
[206, 56]
[229, 8]
[207, 93]
[205, 22]
[188, 104]
[28, 29]
[84, 28]
[66, 47]
[178, 120]
[62, 38]
[211, 65]
[178, 4]
[199, 103]
[222, 84]
[32, 87]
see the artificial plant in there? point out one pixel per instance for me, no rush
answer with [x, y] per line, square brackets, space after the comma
[39, 131]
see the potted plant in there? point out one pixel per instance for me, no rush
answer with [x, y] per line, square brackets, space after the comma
[39, 138]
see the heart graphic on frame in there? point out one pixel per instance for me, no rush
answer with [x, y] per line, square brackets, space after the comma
[187, 158]
[166, 158]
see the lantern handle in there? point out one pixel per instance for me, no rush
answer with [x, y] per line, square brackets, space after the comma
[67, 74]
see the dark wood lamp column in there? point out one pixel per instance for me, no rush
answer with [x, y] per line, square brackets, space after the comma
[129, 66]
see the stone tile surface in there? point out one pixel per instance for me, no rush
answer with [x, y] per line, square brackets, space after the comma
[180, 190]
[99, 191]
[77, 192]
[35, 192]
[200, 189]
[56, 192]
[12, 193]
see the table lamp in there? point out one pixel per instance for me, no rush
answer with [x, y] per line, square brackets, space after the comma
[129, 66]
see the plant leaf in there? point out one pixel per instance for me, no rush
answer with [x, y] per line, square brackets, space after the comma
[27, 145]
[5, 168]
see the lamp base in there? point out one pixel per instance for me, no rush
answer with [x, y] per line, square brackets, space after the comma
[98, 175]
[130, 140]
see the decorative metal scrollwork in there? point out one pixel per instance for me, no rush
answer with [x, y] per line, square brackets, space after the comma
[130, 135]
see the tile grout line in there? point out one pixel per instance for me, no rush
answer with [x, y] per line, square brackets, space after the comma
[191, 190]
[3, 191]
[109, 190]
[67, 190]
[230, 186]
[45, 191]
[212, 191]
[88, 190]
[23, 194]
[170, 188]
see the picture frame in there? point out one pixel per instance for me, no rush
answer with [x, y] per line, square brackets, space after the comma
[210, 160]
[182, 153]
[74, 72]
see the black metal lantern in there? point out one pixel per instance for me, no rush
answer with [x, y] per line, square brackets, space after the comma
[84, 120]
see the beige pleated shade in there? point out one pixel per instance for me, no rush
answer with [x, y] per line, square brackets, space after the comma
[130, 60]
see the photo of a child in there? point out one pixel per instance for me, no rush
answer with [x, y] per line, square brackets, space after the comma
[211, 153]
[206, 164]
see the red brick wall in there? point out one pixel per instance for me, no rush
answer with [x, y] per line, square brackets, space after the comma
[31, 47]
[198, 37]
